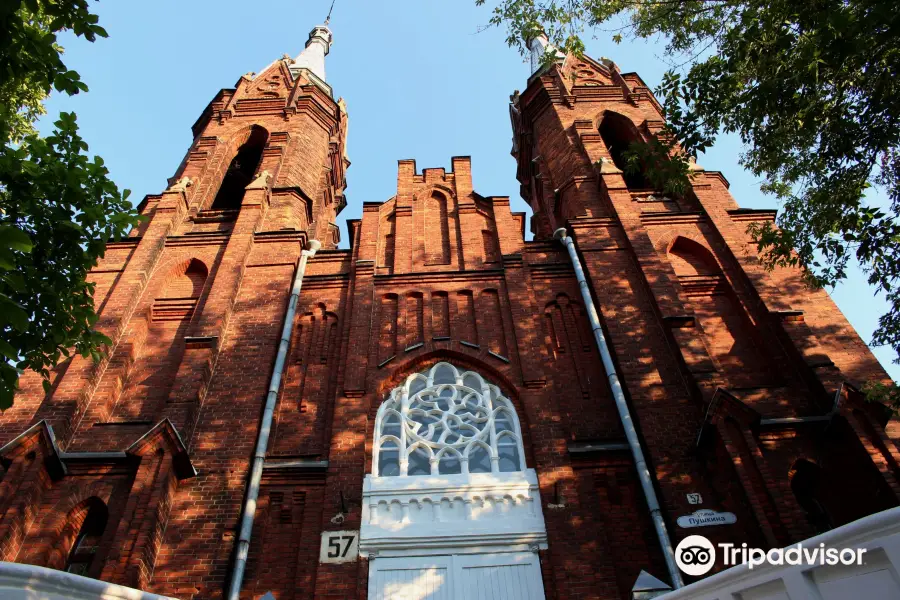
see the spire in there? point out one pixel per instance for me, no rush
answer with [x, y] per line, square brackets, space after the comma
[313, 56]
[540, 46]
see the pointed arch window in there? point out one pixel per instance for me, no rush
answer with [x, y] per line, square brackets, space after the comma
[437, 240]
[179, 298]
[241, 171]
[618, 133]
[445, 421]
[87, 542]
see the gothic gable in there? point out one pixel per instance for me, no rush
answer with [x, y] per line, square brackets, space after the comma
[586, 72]
[266, 90]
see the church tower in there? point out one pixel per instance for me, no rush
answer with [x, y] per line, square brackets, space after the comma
[441, 409]
[132, 470]
[743, 383]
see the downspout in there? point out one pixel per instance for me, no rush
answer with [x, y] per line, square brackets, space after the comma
[262, 439]
[634, 443]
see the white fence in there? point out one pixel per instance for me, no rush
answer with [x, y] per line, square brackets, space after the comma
[878, 578]
[27, 582]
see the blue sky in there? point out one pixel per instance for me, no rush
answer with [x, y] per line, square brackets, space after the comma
[422, 79]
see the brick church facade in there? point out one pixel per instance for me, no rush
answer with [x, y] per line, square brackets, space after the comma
[442, 398]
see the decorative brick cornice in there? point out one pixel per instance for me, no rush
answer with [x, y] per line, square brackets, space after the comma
[148, 199]
[680, 321]
[278, 236]
[216, 216]
[123, 243]
[364, 267]
[672, 218]
[485, 275]
[788, 315]
[258, 106]
[545, 269]
[703, 285]
[592, 222]
[513, 261]
[325, 282]
[597, 92]
[212, 238]
[752, 214]
[322, 109]
[535, 384]
[717, 175]
[280, 470]
[202, 342]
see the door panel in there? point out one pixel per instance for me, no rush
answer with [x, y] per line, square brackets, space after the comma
[504, 576]
[414, 578]
[508, 576]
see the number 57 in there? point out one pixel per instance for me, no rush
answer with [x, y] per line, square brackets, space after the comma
[334, 545]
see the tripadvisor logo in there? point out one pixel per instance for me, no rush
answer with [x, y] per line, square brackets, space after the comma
[695, 555]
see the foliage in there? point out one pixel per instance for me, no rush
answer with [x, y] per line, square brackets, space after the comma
[57, 208]
[887, 394]
[812, 89]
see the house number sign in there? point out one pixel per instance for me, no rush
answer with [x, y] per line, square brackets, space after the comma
[339, 546]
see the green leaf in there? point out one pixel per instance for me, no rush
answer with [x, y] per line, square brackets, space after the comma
[13, 314]
[15, 239]
[70, 225]
[58, 207]
[7, 260]
[7, 351]
[6, 396]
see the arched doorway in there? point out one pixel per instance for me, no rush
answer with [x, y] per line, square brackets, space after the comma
[450, 509]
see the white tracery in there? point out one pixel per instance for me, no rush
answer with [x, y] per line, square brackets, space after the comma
[445, 421]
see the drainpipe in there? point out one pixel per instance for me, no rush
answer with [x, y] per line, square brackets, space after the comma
[637, 452]
[262, 439]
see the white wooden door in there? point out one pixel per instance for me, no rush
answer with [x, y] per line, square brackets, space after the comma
[502, 576]
[507, 576]
[413, 578]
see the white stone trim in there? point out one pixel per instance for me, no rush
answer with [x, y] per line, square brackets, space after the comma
[474, 513]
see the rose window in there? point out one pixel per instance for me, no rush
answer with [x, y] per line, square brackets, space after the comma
[444, 422]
